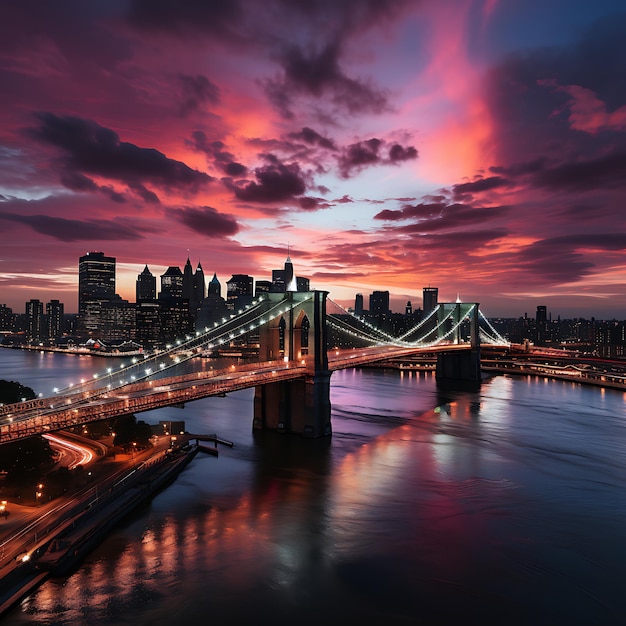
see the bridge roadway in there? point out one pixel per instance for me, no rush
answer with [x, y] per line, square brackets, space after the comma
[42, 415]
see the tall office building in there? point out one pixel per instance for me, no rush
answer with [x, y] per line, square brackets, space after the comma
[541, 322]
[261, 287]
[215, 288]
[34, 320]
[171, 283]
[54, 319]
[379, 303]
[358, 304]
[285, 279]
[429, 299]
[193, 285]
[239, 291]
[96, 279]
[96, 285]
[213, 308]
[199, 285]
[145, 287]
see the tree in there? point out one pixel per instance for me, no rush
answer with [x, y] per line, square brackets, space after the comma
[26, 458]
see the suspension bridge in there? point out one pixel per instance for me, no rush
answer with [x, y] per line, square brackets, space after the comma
[302, 338]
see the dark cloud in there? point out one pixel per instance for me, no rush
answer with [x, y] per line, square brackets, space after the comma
[530, 101]
[480, 185]
[368, 152]
[79, 182]
[276, 182]
[65, 229]
[91, 148]
[308, 135]
[345, 199]
[317, 73]
[206, 221]
[197, 92]
[216, 150]
[308, 203]
[439, 216]
[606, 171]
[216, 17]
[400, 153]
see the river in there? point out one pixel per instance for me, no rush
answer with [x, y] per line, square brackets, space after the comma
[502, 506]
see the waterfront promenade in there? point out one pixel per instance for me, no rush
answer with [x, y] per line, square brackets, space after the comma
[47, 541]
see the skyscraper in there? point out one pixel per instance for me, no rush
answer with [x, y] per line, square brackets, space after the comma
[96, 279]
[34, 318]
[429, 299]
[171, 283]
[239, 291]
[215, 288]
[54, 319]
[145, 287]
[379, 303]
[96, 285]
[358, 304]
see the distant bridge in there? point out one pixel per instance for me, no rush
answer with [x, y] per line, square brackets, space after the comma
[291, 378]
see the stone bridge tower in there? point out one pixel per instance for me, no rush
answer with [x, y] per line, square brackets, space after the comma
[297, 336]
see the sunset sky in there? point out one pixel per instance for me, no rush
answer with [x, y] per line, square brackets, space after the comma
[478, 146]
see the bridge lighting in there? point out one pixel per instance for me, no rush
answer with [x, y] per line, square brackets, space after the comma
[161, 365]
[134, 359]
[23, 399]
[132, 377]
[109, 369]
[148, 371]
[56, 390]
[95, 375]
[178, 342]
[82, 380]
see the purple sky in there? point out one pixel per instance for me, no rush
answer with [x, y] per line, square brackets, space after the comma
[476, 146]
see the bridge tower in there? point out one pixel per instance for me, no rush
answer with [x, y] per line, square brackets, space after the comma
[299, 336]
[458, 369]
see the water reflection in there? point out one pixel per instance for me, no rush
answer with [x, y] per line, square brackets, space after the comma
[505, 504]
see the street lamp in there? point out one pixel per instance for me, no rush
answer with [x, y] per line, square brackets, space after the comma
[39, 492]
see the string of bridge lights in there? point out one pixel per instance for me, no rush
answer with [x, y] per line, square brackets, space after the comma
[181, 345]
[406, 344]
[498, 338]
[390, 339]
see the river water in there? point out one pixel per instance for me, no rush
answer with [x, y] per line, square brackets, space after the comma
[504, 506]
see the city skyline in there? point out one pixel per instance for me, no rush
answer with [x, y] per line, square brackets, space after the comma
[474, 146]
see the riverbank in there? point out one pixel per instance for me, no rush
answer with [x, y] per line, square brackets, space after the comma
[90, 516]
[78, 351]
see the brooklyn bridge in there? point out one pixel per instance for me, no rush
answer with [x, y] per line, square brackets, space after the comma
[302, 338]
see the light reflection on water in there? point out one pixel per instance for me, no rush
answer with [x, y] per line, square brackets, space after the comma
[507, 505]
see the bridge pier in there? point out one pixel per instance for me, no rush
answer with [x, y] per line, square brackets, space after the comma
[459, 369]
[300, 406]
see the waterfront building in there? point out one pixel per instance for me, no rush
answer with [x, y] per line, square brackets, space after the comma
[96, 285]
[34, 317]
[118, 321]
[54, 319]
[7, 318]
[148, 329]
[96, 279]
